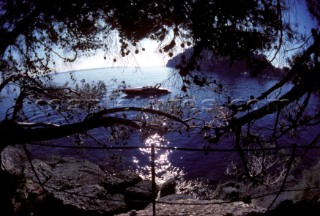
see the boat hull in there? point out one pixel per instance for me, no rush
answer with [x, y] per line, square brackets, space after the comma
[145, 91]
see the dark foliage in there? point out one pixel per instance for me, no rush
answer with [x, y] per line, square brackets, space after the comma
[35, 33]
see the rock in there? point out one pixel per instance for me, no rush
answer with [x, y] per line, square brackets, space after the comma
[78, 186]
[201, 208]
[140, 195]
[59, 185]
[288, 207]
[230, 193]
[13, 159]
[113, 183]
[129, 178]
[91, 200]
[174, 197]
[132, 213]
[68, 173]
[43, 171]
[167, 188]
[121, 180]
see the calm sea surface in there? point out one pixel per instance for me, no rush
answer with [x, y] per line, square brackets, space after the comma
[170, 163]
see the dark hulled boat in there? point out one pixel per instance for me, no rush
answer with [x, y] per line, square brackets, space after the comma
[146, 90]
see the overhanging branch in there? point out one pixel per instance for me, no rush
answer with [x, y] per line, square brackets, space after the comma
[23, 133]
[137, 109]
[14, 132]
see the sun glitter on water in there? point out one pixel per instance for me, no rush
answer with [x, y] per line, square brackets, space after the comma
[164, 168]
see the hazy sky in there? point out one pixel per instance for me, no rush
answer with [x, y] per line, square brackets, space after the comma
[149, 57]
[152, 57]
[304, 18]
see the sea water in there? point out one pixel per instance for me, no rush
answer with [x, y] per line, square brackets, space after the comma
[169, 163]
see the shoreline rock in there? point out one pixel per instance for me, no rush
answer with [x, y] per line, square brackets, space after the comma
[184, 206]
[67, 184]
[79, 187]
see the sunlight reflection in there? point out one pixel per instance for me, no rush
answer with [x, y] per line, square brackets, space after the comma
[164, 168]
[156, 140]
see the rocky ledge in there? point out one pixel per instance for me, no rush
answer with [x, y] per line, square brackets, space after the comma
[182, 205]
[67, 185]
[62, 185]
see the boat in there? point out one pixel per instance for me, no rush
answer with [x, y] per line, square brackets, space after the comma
[146, 90]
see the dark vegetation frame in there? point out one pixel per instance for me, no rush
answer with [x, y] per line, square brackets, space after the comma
[35, 35]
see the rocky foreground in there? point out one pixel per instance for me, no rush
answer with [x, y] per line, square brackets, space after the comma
[69, 186]
[184, 206]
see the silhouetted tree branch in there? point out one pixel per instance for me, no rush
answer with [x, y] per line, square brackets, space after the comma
[31, 132]
[35, 33]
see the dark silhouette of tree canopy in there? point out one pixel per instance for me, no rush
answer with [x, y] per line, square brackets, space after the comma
[35, 34]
